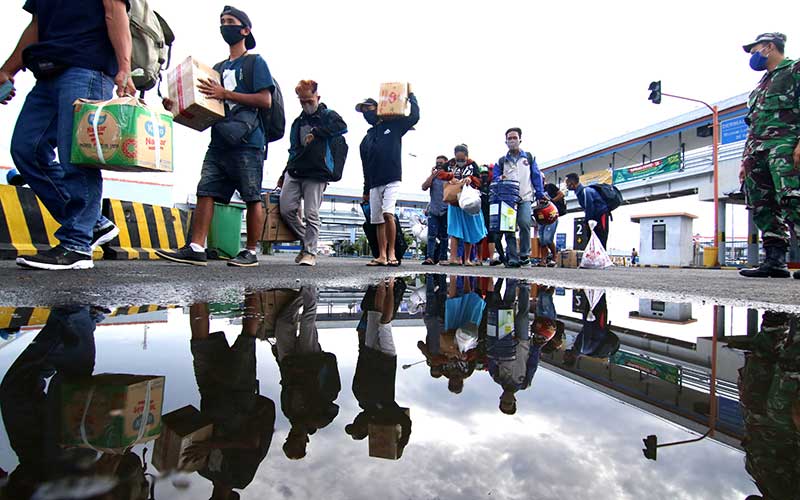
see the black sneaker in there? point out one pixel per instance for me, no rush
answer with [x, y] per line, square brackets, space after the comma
[185, 255]
[551, 263]
[102, 236]
[56, 259]
[526, 262]
[244, 259]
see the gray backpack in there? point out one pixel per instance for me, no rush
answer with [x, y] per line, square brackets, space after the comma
[152, 44]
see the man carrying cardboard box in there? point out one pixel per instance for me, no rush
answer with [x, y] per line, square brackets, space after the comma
[75, 50]
[235, 157]
[316, 157]
[381, 152]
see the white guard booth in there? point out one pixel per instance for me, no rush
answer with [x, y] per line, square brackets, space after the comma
[665, 239]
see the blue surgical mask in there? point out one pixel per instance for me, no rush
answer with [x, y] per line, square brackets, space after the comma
[371, 116]
[758, 61]
[232, 34]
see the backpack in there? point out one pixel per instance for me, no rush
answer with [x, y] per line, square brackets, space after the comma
[610, 194]
[336, 150]
[273, 120]
[152, 40]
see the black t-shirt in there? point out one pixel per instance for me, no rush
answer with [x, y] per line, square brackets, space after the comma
[71, 33]
[552, 190]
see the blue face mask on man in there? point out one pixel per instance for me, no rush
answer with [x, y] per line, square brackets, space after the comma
[758, 61]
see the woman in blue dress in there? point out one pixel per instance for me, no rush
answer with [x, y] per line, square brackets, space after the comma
[461, 226]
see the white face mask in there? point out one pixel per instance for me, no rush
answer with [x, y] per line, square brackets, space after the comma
[309, 109]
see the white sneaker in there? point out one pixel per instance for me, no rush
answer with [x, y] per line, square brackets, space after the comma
[308, 260]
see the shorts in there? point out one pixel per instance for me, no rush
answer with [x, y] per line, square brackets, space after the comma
[228, 170]
[379, 335]
[384, 197]
[547, 234]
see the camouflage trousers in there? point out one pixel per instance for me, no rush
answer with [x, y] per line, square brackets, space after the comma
[772, 190]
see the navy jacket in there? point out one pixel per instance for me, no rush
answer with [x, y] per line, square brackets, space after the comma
[309, 161]
[381, 149]
[593, 204]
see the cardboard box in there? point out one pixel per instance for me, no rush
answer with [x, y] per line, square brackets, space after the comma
[393, 101]
[384, 439]
[570, 258]
[193, 109]
[276, 229]
[107, 412]
[122, 134]
[181, 428]
[536, 249]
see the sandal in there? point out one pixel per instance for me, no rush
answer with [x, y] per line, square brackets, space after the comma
[376, 263]
[428, 262]
[393, 263]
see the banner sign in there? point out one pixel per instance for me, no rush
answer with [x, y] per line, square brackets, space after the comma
[733, 130]
[671, 163]
[598, 177]
[664, 371]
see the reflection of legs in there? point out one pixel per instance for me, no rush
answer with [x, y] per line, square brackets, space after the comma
[308, 340]
[199, 322]
[252, 318]
[523, 308]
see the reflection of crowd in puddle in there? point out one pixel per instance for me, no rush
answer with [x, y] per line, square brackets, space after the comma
[58, 419]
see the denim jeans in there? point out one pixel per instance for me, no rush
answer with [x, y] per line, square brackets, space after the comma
[71, 193]
[437, 230]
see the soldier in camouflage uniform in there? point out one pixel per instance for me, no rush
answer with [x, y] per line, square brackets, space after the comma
[771, 164]
[769, 391]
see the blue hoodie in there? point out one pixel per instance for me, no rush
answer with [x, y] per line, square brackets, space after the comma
[592, 203]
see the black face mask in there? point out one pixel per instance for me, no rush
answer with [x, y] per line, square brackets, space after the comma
[371, 116]
[232, 34]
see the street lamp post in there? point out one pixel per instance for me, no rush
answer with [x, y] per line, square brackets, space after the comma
[655, 97]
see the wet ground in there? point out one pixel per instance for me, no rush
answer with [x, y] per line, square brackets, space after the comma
[115, 283]
[423, 387]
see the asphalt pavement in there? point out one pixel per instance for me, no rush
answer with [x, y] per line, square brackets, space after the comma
[123, 283]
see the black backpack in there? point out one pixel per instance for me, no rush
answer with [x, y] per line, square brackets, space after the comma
[273, 120]
[610, 194]
[336, 150]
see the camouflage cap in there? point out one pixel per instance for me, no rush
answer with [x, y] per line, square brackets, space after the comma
[778, 38]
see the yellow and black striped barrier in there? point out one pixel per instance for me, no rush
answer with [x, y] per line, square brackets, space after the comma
[15, 318]
[25, 224]
[133, 310]
[143, 229]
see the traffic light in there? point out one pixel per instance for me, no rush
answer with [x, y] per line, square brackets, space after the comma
[650, 447]
[655, 92]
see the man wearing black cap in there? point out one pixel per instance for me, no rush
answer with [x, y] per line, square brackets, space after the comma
[770, 171]
[235, 157]
[381, 152]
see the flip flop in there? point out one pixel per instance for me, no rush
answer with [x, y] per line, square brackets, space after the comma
[393, 263]
[376, 263]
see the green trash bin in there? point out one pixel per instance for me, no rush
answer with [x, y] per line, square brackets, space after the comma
[225, 233]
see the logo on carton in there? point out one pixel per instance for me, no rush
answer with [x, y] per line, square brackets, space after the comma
[106, 134]
[162, 130]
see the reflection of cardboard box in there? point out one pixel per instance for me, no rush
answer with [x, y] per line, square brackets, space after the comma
[384, 439]
[192, 108]
[122, 134]
[181, 428]
[570, 258]
[107, 412]
[393, 100]
[276, 229]
[273, 301]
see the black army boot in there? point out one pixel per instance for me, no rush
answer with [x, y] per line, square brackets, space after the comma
[774, 265]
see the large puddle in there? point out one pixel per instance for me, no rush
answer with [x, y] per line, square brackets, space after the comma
[428, 387]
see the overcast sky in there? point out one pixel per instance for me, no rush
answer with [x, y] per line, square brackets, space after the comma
[571, 74]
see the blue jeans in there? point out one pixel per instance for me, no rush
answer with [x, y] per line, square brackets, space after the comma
[71, 193]
[437, 230]
[547, 234]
